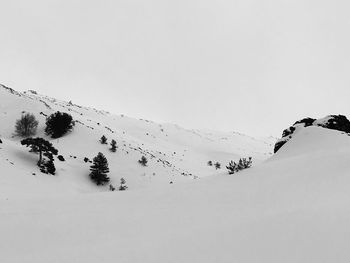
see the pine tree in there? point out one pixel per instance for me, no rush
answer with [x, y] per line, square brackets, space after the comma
[123, 185]
[99, 169]
[26, 125]
[103, 140]
[113, 146]
[44, 148]
[143, 161]
[58, 124]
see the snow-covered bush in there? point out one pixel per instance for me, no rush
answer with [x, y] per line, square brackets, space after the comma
[58, 124]
[26, 126]
[217, 165]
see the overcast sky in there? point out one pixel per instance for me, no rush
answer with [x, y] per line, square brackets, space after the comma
[253, 66]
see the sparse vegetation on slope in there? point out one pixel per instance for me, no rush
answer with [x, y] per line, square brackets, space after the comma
[242, 164]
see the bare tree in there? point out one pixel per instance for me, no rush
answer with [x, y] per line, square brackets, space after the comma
[26, 125]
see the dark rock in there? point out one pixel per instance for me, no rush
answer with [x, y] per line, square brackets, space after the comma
[334, 122]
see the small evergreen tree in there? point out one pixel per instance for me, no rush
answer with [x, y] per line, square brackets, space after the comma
[123, 185]
[217, 165]
[103, 140]
[247, 163]
[143, 161]
[113, 146]
[58, 124]
[242, 164]
[26, 126]
[44, 148]
[210, 163]
[232, 167]
[99, 169]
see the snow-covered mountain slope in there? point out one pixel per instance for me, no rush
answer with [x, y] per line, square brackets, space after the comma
[295, 207]
[175, 154]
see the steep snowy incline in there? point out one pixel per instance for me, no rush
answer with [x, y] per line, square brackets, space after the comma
[174, 154]
[294, 207]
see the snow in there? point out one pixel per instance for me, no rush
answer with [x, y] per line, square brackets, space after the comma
[174, 154]
[294, 207]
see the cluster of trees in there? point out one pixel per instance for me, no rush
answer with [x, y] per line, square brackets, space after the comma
[234, 167]
[103, 140]
[242, 164]
[57, 124]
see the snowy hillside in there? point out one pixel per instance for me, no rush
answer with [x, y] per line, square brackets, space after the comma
[295, 207]
[174, 153]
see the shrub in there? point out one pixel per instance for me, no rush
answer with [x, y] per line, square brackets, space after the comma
[99, 169]
[210, 163]
[58, 124]
[243, 163]
[61, 158]
[113, 146]
[103, 140]
[217, 165]
[123, 185]
[143, 161]
[26, 125]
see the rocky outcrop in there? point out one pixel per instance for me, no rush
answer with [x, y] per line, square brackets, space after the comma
[334, 122]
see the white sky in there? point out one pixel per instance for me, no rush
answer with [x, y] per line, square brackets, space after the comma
[253, 66]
